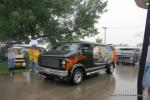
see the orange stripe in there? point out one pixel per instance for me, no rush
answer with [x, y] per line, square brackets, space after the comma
[72, 61]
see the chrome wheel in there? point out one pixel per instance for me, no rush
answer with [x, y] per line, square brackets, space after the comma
[110, 69]
[77, 76]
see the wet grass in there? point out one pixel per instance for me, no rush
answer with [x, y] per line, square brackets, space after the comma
[4, 68]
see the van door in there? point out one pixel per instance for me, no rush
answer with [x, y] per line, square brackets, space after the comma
[87, 51]
[99, 56]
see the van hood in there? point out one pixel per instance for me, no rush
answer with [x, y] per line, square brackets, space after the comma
[56, 53]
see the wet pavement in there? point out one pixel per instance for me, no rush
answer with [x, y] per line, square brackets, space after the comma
[121, 85]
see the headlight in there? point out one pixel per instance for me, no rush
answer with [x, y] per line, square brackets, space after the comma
[24, 64]
[63, 63]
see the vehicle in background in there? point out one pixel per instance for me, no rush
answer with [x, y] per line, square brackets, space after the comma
[22, 55]
[128, 55]
[20, 59]
[73, 61]
[26, 48]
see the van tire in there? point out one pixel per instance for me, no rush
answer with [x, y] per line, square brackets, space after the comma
[77, 76]
[110, 69]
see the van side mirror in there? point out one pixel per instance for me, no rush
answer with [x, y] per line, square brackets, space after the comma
[86, 49]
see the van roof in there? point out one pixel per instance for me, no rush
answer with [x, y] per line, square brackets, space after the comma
[87, 42]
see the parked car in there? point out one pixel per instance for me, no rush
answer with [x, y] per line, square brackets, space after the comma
[20, 59]
[73, 61]
[130, 55]
[26, 48]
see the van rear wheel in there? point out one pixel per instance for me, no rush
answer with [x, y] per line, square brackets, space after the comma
[110, 69]
[77, 76]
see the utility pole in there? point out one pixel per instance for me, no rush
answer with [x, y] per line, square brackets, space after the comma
[105, 29]
[146, 5]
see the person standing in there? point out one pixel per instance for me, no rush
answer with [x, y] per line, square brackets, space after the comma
[30, 54]
[33, 57]
[146, 78]
[36, 54]
[11, 59]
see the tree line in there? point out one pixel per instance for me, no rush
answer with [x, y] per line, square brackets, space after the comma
[58, 20]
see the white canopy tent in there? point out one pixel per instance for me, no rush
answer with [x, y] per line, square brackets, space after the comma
[33, 42]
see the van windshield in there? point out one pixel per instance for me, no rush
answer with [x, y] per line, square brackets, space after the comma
[67, 46]
[126, 50]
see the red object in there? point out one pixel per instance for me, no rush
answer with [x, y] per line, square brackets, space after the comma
[115, 55]
[72, 61]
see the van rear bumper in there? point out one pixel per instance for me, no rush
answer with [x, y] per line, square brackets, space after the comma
[53, 72]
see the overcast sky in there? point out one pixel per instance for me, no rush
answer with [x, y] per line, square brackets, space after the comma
[125, 22]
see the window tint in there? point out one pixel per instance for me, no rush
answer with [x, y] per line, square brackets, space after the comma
[66, 46]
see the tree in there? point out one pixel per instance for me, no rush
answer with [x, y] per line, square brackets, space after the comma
[55, 19]
[99, 40]
[139, 45]
[125, 45]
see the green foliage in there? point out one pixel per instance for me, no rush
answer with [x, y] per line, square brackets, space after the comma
[139, 45]
[124, 45]
[58, 20]
[3, 68]
[99, 40]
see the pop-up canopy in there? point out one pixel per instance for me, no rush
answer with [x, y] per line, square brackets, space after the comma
[33, 42]
[142, 3]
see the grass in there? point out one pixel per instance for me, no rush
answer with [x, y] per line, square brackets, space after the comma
[4, 68]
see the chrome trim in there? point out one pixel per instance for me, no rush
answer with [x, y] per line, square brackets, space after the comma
[96, 71]
[53, 72]
[95, 68]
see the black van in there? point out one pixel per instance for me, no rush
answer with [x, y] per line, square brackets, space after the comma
[75, 60]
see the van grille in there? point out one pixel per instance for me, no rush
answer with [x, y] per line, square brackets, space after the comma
[49, 62]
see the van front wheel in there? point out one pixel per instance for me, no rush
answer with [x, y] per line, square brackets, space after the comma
[77, 76]
[110, 69]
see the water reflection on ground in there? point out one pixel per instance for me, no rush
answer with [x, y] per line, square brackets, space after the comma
[31, 86]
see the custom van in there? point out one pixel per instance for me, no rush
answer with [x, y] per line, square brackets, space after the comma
[74, 60]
